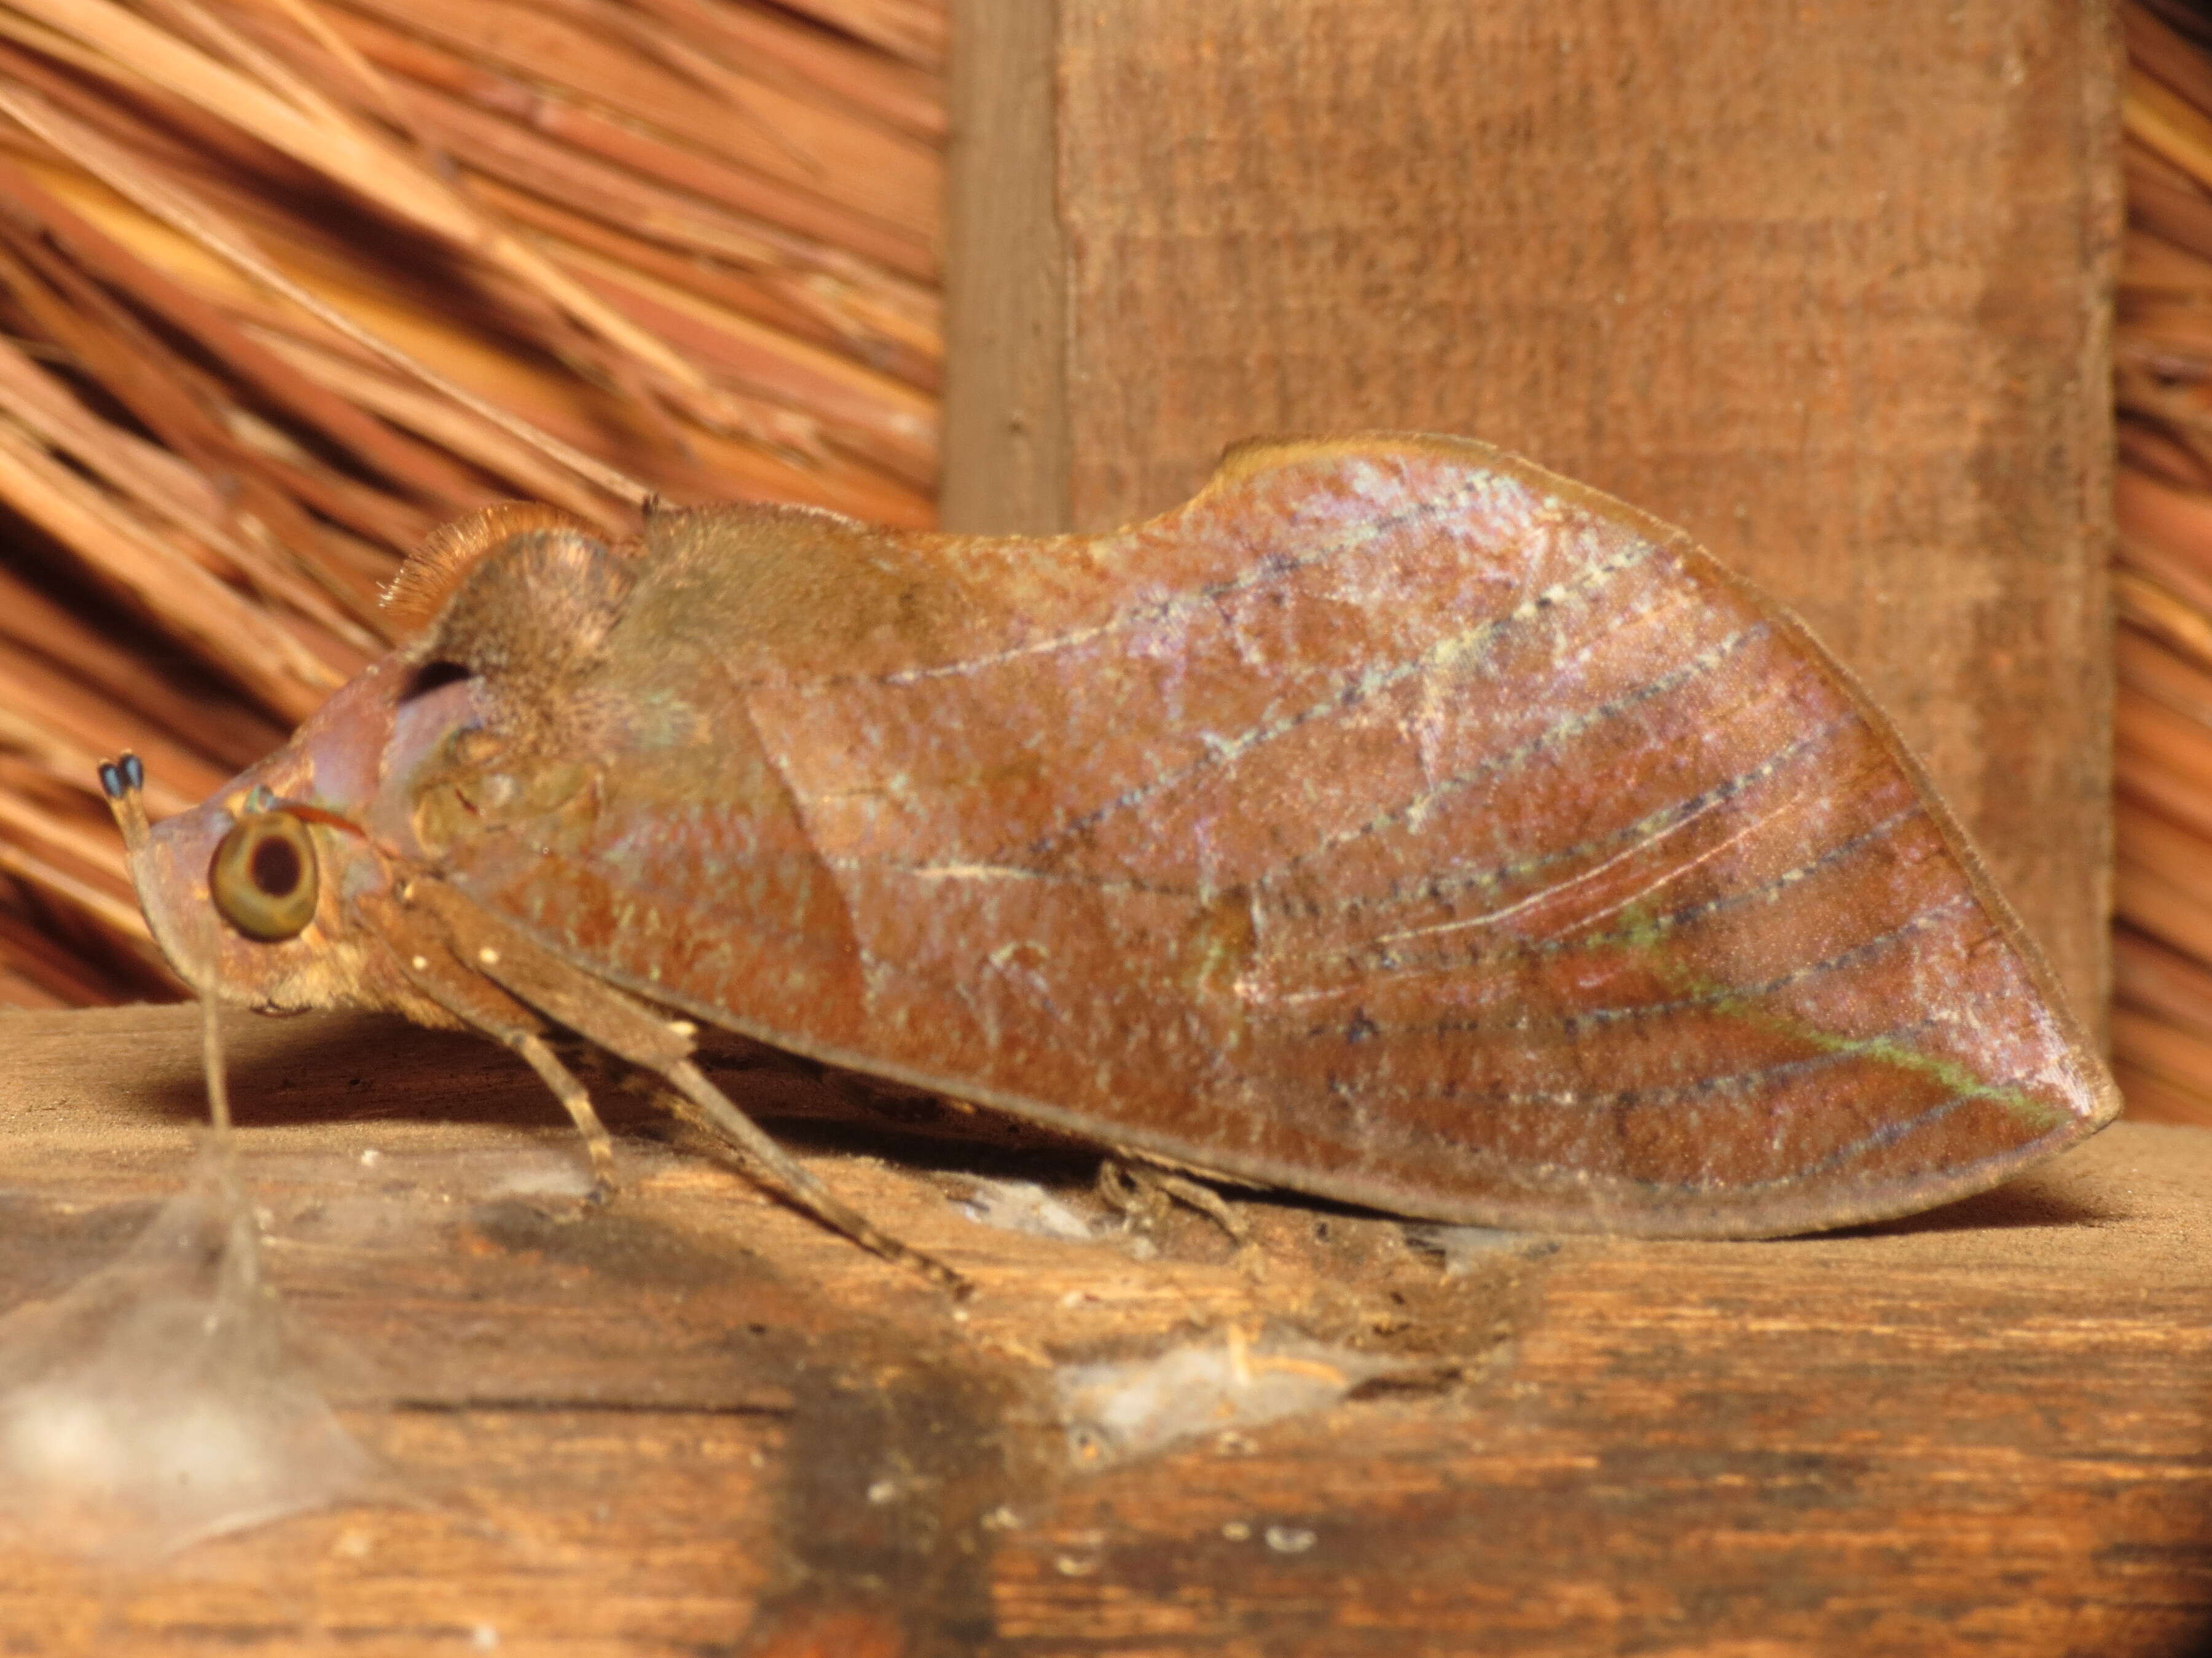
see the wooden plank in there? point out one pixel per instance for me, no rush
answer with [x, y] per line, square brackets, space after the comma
[692, 1421]
[1827, 287]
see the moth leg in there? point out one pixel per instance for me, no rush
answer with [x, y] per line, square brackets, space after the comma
[776, 1168]
[697, 1100]
[599, 1144]
[1142, 1190]
[1136, 1204]
[632, 1031]
[478, 1011]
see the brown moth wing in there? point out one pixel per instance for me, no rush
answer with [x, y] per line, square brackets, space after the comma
[1395, 822]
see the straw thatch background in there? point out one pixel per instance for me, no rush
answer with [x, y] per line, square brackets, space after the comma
[2162, 939]
[283, 283]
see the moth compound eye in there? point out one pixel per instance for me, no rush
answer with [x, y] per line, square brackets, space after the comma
[263, 876]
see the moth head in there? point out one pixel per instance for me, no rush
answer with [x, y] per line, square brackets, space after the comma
[249, 894]
[254, 895]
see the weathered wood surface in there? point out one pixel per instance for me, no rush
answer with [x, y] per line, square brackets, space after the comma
[1827, 286]
[692, 1422]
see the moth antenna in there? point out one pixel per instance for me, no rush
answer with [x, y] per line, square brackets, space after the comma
[211, 1062]
[122, 780]
[421, 587]
[241, 1263]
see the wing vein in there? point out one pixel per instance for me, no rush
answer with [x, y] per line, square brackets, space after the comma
[1462, 648]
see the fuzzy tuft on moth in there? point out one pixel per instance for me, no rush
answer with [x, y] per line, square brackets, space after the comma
[1394, 822]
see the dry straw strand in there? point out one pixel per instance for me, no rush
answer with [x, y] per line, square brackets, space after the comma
[2162, 748]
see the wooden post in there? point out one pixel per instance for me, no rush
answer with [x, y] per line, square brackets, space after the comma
[1826, 286]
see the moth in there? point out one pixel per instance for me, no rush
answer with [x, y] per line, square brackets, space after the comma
[1396, 823]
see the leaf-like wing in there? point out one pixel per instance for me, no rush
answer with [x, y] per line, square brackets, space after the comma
[1394, 822]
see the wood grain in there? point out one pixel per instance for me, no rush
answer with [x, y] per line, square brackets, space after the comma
[1007, 302]
[1827, 288]
[693, 1422]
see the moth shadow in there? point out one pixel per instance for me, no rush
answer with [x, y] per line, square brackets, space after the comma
[2037, 1202]
[329, 1069]
[359, 1067]
[339, 1067]
[923, 1137]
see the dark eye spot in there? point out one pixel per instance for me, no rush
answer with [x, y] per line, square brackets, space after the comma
[275, 868]
[430, 677]
[263, 876]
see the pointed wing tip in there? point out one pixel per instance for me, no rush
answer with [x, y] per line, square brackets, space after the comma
[2105, 1104]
